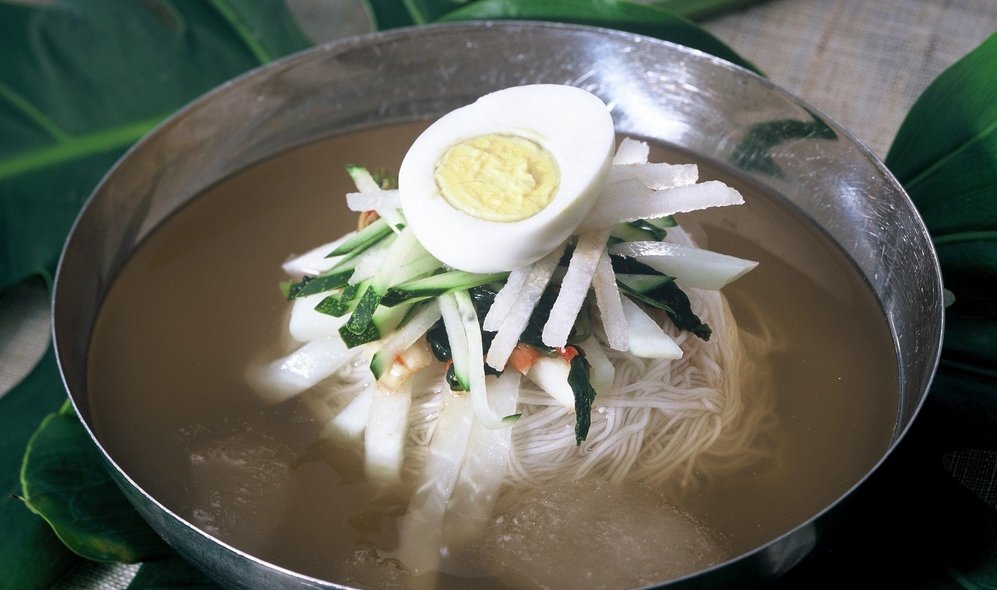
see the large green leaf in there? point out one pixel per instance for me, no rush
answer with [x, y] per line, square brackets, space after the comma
[80, 81]
[30, 554]
[65, 482]
[945, 154]
[633, 17]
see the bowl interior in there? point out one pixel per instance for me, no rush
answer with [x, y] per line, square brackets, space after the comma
[665, 93]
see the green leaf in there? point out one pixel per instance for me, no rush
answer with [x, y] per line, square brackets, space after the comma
[170, 574]
[65, 482]
[81, 81]
[637, 18]
[945, 154]
[30, 555]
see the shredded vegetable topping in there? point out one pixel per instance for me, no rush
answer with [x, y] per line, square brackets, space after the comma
[580, 323]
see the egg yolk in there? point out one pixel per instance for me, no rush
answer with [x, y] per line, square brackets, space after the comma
[498, 177]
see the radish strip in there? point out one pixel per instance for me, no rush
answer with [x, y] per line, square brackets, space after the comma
[351, 421]
[476, 369]
[404, 337]
[515, 322]
[304, 368]
[550, 373]
[314, 262]
[306, 324]
[631, 151]
[477, 489]
[655, 176]
[601, 369]
[457, 336]
[379, 199]
[630, 200]
[365, 183]
[607, 298]
[506, 298]
[692, 267]
[384, 441]
[574, 288]
[420, 538]
[647, 339]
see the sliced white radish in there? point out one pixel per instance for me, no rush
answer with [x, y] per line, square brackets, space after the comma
[631, 151]
[647, 339]
[373, 200]
[515, 322]
[506, 298]
[483, 470]
[384, 439]
[574, 288]
[630, 200]
[656, 176]
[601, 369]
[306, 324]
[351, 421]
[314, 261]
[607, 298]
[420, 537]
[301, 370]
[550, 373]
[691, 267]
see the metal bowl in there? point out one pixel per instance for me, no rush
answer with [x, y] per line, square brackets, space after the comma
[657, 90]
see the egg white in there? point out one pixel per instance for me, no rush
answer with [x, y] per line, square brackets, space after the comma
[573, 125]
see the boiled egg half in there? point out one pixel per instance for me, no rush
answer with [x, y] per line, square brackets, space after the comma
[500, 183]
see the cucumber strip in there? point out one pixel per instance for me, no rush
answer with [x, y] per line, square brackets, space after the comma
[629, 232]
[641, 283]
[333, 279]
[437, 285]
[364, 238]
[404, 337]
[457, 337]
[399, 250]
[363, 313]
[362, 178]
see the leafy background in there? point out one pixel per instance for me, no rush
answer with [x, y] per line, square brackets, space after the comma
[81, 80]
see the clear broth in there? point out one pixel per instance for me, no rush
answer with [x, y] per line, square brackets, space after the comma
[198, 303]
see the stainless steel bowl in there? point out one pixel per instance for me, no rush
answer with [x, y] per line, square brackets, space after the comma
[657, 90]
